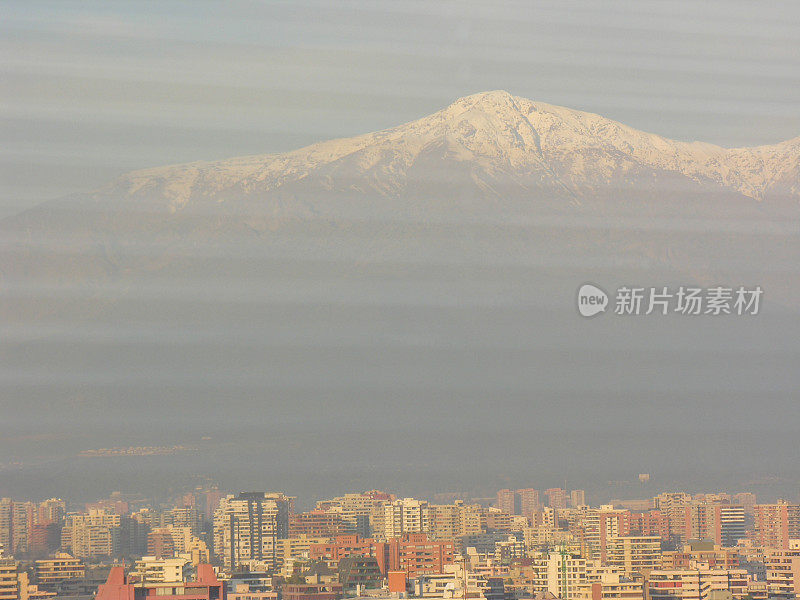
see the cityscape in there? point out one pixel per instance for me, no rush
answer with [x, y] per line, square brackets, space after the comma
[549, 544]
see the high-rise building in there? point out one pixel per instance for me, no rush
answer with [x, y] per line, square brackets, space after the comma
[52, 510]
[561, 574]
[577, 498]
[352, 545]
[44, 538]
[746, 500]
[16, 520]
[595, 526]
[317, 523]
[724, 524]
[184, 516]
[776, 524]
[160, 543]
[673, 506]
[524, 501]
[416, 554]
[650, 522]
[247, 528]
[95, 534]
[528, 502]
[360, 511]
[507, 501]
[406, 515]
[634, 555]
[556, 498]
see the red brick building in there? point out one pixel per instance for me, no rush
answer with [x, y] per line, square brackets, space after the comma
[352, 545]
[413, 553]
[652, 522]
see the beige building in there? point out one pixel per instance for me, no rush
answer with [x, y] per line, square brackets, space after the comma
[92, 535]
[561, 574]
[783, 573]
[9, 585]
[150, 569]
[673, 506]
[609, 583]
[297, 548]
[247, 528]
[58, 568]
[635, 554]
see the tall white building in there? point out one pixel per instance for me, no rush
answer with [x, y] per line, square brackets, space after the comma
[406, 515]
[561, 574]
[247, 528]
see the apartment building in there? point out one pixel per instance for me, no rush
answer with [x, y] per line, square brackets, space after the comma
[507, 501]
[697, 583]
[91, 535]
[9, 584]
[609, 583]
[416, 554]
[247, 528]
[49, 572]
[672, 505]
[317, 523]
[205, 587]
[359, 511]
[783, 573]
[776, 524]
[556, 498]
[700, 551]
[351, 545]
[559, 573]
[724, 524]
[151, 569]
[634, 555]
[577, 498]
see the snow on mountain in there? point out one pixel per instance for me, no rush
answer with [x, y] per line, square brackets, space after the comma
[497, 137]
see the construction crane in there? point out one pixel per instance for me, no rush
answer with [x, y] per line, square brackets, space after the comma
[564, 554]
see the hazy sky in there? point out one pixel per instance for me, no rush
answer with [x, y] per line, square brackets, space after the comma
[425, 357]
[94, 89]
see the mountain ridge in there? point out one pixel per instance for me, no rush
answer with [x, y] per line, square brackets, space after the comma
[535, 143]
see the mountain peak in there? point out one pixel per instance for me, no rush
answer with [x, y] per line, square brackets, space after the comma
[489, 98]
[497, 103]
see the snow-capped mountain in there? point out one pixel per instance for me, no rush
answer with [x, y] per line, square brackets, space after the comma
[492, 177]
[500, 144]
